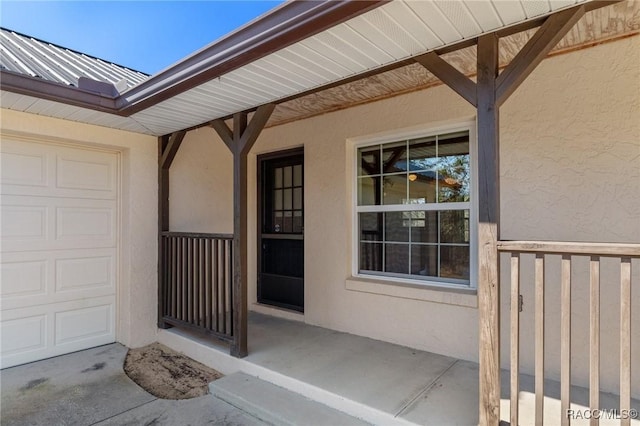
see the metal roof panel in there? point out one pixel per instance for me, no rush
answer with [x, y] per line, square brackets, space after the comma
[28, 55]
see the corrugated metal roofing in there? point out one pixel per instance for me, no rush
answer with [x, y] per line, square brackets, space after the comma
[36, 58]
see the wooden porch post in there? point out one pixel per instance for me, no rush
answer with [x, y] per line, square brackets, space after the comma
[167, 149]
[239, 345]
[239, 141]
[163, 225]
[490, 91]
[488, 230]
[482, 95]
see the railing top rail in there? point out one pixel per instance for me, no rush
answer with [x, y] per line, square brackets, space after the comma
[576, 248]
[197, 235]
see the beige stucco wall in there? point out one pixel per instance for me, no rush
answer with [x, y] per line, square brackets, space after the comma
[137, 283]
[570, 170]
[201, 185]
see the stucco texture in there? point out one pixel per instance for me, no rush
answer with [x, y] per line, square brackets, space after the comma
[570, 171]
[137, 276]
[201, 185]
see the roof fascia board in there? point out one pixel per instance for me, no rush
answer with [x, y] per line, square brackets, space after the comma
[57, 92]
[286, 25]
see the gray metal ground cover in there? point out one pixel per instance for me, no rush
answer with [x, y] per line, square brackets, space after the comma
[276, 405]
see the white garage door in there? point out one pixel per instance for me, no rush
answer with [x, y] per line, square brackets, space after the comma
[59, 251]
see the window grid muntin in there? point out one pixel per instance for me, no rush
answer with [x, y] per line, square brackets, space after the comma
[280, 212]
[436, 205]
[383, 242]
[409, 171]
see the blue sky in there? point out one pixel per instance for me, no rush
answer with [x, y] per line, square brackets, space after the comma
[144, 35]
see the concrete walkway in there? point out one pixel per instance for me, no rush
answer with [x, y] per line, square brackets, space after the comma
[90, 388]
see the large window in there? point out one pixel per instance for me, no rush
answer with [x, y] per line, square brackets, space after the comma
[414, 208]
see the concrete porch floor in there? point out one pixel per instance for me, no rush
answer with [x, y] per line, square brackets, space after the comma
[378, 382]
[406, 384]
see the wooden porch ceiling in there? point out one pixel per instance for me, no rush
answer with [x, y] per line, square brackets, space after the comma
[598, 26]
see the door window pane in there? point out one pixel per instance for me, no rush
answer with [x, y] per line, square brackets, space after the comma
[297, 198]
[298, 224]
[288, 202]
[277, 177]
[277, 222]
[277, 199]
[297, 175]
[286, 180]
[287, 224]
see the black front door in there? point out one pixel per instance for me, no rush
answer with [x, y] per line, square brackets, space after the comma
[281, 230]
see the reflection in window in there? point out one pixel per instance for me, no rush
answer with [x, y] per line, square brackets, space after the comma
[411, 226]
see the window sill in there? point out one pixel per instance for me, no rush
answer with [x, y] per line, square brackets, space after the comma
[429, 293]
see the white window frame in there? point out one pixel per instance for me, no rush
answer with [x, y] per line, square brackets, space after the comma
[413, 133]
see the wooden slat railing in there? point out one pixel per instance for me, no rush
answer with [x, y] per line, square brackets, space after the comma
[196, 282]
[624, 252]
